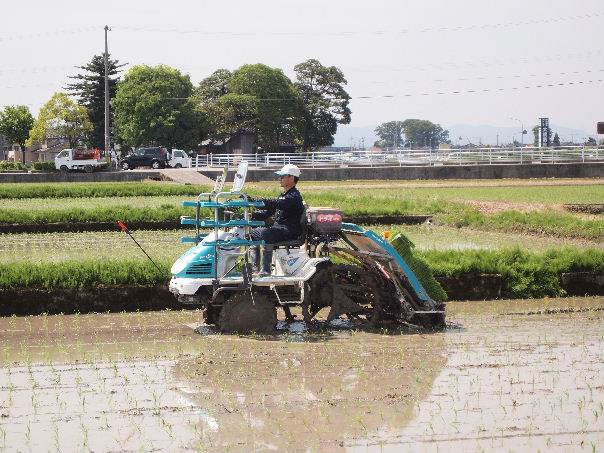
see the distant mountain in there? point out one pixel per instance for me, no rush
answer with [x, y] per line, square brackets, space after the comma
[485, 134]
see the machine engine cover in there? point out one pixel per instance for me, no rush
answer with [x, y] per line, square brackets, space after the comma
[325, 220]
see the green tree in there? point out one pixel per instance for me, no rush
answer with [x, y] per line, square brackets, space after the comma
[270, 96]
[591, 142]
[421, 133]
[256, 99]
[60, 117]
[230, 114]
[556, 141]
[325, 102]
[15, 123]
[153, 107]
[535, 136]
[536, 132]
[390, 134]
[213, 87]
[89, 90]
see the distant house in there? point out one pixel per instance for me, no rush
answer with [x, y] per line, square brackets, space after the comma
[49, 150]
[16, 154]
[44, 152]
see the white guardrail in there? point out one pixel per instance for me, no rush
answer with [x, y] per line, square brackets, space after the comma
[476, 156]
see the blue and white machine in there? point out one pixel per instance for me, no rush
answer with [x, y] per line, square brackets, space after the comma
[342, 267]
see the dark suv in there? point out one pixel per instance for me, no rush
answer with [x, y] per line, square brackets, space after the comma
[154, 157]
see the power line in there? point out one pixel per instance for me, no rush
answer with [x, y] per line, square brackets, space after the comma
[439, 93]
[433, 93]
[442, 93]
[447, 65]
[499, 25]
[485, 90]
[514, 76]
[461, 64]
[402, 31]
[460, 79]
[51, 33]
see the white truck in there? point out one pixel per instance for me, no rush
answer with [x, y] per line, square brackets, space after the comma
[76, 159]
[179, 159]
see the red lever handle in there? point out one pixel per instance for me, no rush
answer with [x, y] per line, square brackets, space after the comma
[122, 226]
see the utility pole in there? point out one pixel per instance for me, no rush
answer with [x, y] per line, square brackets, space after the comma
[106, 58]
[522, 131]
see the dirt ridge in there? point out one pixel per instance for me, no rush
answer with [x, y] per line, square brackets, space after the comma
[76, 227]
[116, 298]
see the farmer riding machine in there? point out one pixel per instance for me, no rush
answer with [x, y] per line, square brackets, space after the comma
[341, 267]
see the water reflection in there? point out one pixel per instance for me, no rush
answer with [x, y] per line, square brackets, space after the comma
[310, 395]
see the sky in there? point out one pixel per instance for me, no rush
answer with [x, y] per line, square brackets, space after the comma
[465, 62]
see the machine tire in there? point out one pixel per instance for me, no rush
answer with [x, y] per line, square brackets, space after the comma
[248, 312]
[211, 315]
[156, 165]
[347, 290]
[125, 165]
[435, 321]
[178, 166]
[88, 168]
[63, 168]
[322, 250]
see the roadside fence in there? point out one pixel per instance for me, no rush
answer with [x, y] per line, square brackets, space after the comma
[400, 157]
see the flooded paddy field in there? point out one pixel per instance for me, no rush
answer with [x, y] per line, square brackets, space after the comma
[506, 375]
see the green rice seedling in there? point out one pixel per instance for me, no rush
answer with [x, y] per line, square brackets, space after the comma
[95, 190]
[525, 274]
[405, 248]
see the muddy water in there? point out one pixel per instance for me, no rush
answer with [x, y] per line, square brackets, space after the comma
[506, 375]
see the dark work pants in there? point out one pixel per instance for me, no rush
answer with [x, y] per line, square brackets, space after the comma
[269, 236]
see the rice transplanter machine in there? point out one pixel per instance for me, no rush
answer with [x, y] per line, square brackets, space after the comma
[337, 266]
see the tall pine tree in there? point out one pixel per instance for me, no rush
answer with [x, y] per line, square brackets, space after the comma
[89, 89]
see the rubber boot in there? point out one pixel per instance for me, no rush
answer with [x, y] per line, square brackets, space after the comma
[267, 259]
[255, 259]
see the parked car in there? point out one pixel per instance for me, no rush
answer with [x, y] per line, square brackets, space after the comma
[179, 159]
[154, 157]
